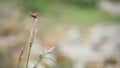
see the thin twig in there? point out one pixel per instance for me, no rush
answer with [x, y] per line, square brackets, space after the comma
[20, 57]
[37, 63]
[32, 36]
[28, 57]
[18, 66]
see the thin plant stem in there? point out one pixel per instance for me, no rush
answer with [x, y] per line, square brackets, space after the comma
[32, 36]
[37, 63]
[18, 66]
[29, 49]
[20, 57]
[28, 56]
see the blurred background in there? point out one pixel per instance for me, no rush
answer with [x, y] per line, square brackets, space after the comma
[85, 33]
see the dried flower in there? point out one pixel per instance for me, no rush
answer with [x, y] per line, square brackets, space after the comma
[43, 56]
[51, 49]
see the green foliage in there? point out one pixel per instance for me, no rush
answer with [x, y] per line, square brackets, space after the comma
[36, 5]
[30, 5]
[44, 5]
[88, 3]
